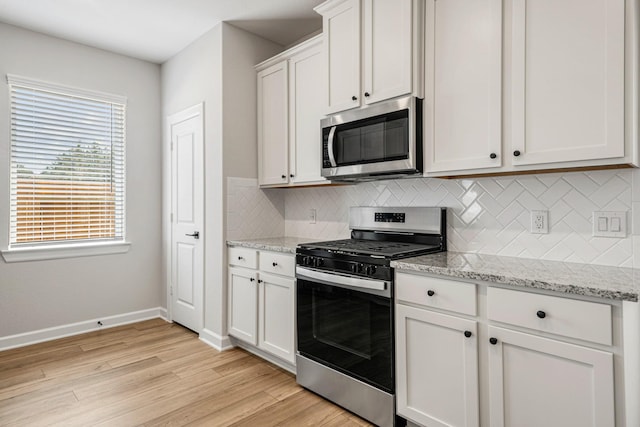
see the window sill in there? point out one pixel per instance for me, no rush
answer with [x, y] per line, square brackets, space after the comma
[64, 251]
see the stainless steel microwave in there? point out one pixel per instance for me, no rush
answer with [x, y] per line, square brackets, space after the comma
[380, 141]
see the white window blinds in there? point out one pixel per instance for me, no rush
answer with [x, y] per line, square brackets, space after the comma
[67, 164]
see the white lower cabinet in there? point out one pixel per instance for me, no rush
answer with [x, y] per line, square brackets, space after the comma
[276, 305]
[437, 384]
[243, 304]
[261, 306]
[541, 360]
[536, 381]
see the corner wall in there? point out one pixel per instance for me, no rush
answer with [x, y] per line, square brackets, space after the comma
[217, 70]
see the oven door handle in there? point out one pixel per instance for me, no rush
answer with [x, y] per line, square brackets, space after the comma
[351, 281]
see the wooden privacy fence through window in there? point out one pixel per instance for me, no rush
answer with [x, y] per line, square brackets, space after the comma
[48, 210]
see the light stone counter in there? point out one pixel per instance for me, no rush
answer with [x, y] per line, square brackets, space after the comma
[275, 244]
[614, 283]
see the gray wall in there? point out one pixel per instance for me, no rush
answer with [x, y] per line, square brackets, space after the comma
[43, 294]
[217, 70]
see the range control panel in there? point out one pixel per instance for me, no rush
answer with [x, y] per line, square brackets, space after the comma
[389, 217]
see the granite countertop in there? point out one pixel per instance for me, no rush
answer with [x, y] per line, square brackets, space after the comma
[275, 244]
[614, 283]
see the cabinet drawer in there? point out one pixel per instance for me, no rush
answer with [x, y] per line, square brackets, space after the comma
[583, 320]
[435, 292]
[243, 257]
[277, 263]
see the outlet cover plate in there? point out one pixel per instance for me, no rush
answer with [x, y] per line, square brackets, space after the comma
[540, 222]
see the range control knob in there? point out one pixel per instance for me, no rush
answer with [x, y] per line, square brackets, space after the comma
[319, 262]
[370, 270]
[353, 268]
[360, 268]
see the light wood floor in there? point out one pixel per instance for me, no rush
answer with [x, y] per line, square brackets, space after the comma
[152, 373]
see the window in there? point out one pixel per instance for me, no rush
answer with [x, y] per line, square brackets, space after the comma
[67, 165]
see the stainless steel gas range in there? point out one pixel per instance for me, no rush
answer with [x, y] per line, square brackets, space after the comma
[345, 317]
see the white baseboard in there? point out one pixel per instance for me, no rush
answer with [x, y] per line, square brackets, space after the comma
[214, 340]
[48, 334]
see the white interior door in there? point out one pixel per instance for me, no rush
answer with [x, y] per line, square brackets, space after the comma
[187, 213]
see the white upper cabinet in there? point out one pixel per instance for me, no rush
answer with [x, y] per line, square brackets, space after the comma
[292, 96]
[273, 124]
[463, 90]
[307, 103]
[387, 48]
[386, 35]
[568, 70]
[341, 25]
[529, 85]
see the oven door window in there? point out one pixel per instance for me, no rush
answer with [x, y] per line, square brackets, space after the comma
[373, 140]
[347, 330]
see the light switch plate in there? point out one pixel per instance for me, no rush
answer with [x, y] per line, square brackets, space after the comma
[610, 224]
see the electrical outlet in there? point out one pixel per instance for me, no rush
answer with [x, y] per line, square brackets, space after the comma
[540, 222]
[312, 216]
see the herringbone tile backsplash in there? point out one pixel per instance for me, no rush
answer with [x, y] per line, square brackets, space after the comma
[486, 215]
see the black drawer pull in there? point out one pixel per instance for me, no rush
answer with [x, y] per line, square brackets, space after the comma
[467, 334]
[541, 314]
[274, 264]
[252, 279]
[493, 341]
[431, 293]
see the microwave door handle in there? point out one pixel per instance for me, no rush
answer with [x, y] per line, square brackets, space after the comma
[332, 157]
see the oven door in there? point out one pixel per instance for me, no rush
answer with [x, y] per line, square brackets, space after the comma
[345, 326]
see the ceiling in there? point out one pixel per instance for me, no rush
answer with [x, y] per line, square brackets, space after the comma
[155, 30]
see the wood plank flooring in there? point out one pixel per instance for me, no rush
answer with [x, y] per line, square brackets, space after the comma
[152, 373]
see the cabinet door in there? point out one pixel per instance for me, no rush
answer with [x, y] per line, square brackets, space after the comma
[437, 368]
[463, 90]
[536, 381]
[273, 125]
[243, 304]
[307, 104]
[341, 24]
[388, 49]
[277, 303]
[568, 85]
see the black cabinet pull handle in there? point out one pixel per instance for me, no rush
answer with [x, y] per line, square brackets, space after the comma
[274, 263]
[541, 314]
[260, 281]
[252, 279]
[493, 155]
[467, 334]
[240, 258]
[516, 153]
[367, 94]
[431, 293]
[354, 98]
[284, 176]
[290, 175]
[195, 235]
[493, 341]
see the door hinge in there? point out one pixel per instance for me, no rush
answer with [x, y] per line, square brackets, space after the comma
[171, 145]
[171, 217]
[171, 290]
